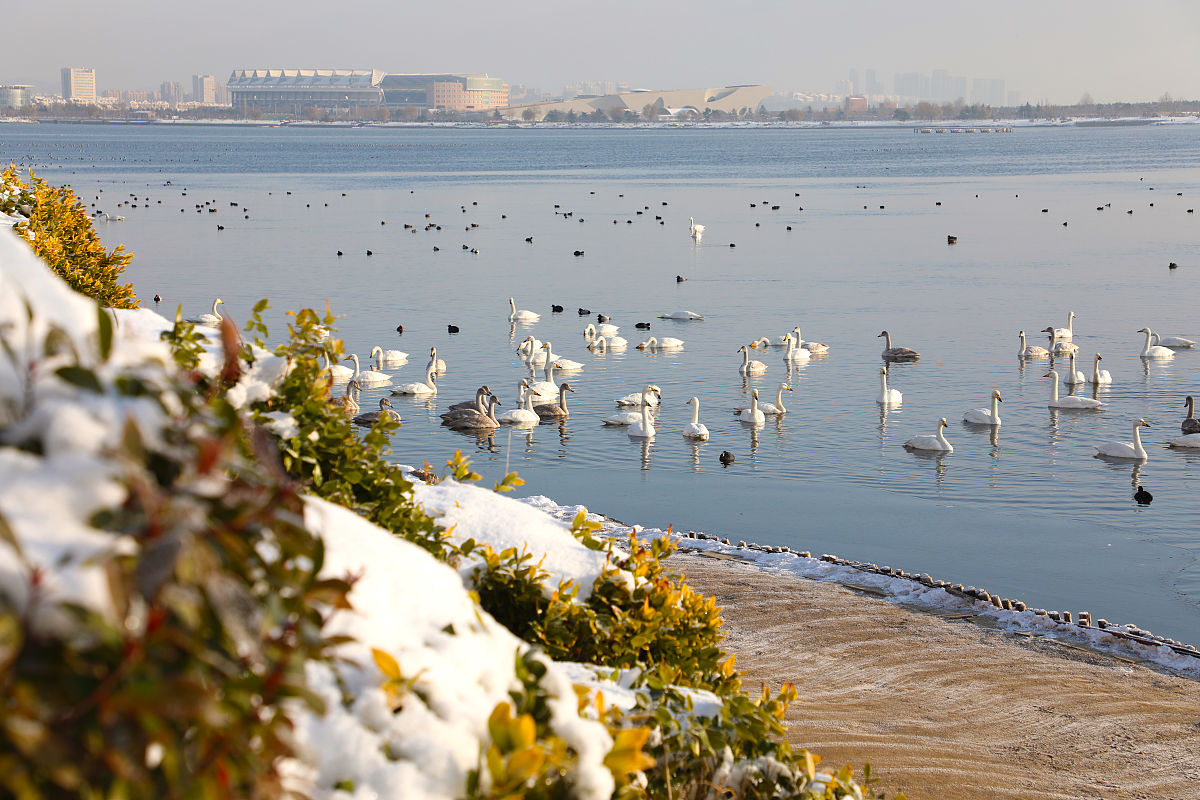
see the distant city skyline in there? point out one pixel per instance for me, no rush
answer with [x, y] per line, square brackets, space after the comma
[1055, 52]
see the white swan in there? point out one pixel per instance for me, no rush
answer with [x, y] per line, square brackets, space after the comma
[937, 441]
[620, 343]
[1069, 401]
[567, 365]
[694, 429]
[749, 367]
[543, 355]
[555, 410]
[371, 417]
[812, 347]
[547, 388]
[1173, 341]
[522, 315]
[665, 343]
[429, 387]
[339, 372]
[896, 353]
[635, 399]
[1031, 351]
[1100, 377]
[389, 358]
[985, 416]
[697, 230]
[437, 364]
[1154, 351]
[1132, 449]
[644, 427]
[1060, 348]
[368, 377]
[348, 403]
[887, 397]
[1074, 376]
[753, 414]
[1191, 440]
[795, 353]
[776, 409]
[525, 413]
[1067, 332]
[212, 320]
[529, 346]
[598, 345]
[680, 315]
[600, 329]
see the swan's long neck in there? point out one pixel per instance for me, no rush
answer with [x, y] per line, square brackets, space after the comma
[995, 408]
[1072, 359]
[799, 338]
[1071, 322]
[480, 400]
[791, 345]
[746, 361]
[887, 341]
[215, 314]
[645, 411]
[562, 397]
[548, 371]
[940, 436]
[354, 358]
[754, 405]
[1146, 349]
[491, 409]
[429, 373]
[695, 411]
[1138, 450]
[1096, 369]
[1054, 389]
[513, 304]
[1189, 402]
[528, 399]
[1021, 351]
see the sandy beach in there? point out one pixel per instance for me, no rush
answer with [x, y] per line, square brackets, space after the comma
[945, 708]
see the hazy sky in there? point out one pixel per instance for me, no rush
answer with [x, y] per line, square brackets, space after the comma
[1045, 49]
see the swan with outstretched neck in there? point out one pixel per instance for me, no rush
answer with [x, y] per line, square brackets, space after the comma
[523, 315]
[1074, 376]
[651, 395]
[1152, 350]
[429, 387]
[1070, 401]
[644, 427]
[887, 397]
[1031, 351]
[368, 377]
[753, 414]
[1067, 332]
[1132, 449]
[794, 352]
[1100, 377]
[749, 367]
[390, 358]
[525, 414]
[776, 409]
[210, 320]
[385, 410]
[694, 429]
[896, 353]
[555, 410]
[936, 441]
[985, 416]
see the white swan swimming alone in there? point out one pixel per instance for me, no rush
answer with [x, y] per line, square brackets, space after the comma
[1154, 351]
[1132, 449]
[1173, 341]
[776, 409]
[753, 414]
[794, 352]
[1067, 332]
[985, 416]
[1074, 377]
[749, 367]
[684, 315]
[388, 358]
[371, 417]
[665, 343]
[368, 377]
[896, 353]
[936, 441]
[523, 315]
[1188, 440]
[429, 387]
[695, 429]
[212, 320]
[887, 397]
[1100, 377]
[697, 230]
[1031, 351]
[1070, 401]
[644, 427]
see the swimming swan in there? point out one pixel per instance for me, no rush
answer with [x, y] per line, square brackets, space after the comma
[547, 388]
[371, 417]
[985, 416]
[694, 429]
[1074, 376]
[1067, 332]
[1154, 351]
[368, 377]
[1173, 341]
[522, 315]
[438, 364]
[937, 441]
[1069, 401]
[348, 403]
[749, 367]
[429, 387]
[1031, 351]
[795, 353]
[644, 427]
[812, 347]
[665, 343]
[887, 397]
[390, 358]
[753, 414]
[1190, 424]
[635, 399]
[1191, 440]
[523, 415]
[212, 320]
[555, 410]
[475, 420]
[1132, 449]
[339, 372]
[680, 315]
[600, 329]
[896, 353]
[697, 230]
[776, 409]
[650, 396]
[1100, 377]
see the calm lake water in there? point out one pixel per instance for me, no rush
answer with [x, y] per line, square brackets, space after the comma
[1027, 512]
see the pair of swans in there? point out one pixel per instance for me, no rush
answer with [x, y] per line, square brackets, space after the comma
[368, 377]
[648, 397]
[891, 353]
[749, 367]
[776, 409]
[794, 333]
[371, 417]
[1070, 401]
[665, 343]
[1154, 351]
[523, 315]
[795, 352]
[473, 419]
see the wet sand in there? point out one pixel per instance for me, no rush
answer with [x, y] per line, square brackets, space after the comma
[952, 709]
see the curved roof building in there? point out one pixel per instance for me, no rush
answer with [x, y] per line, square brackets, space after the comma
[730, 99]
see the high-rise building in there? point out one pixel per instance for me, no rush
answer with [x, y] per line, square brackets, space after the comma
[79, 83]
[988, 91]
[171, 92]
[204, 89]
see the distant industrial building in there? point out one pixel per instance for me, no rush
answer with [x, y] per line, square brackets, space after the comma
[727, 99]
[290, 91]
[79, 84]
[15, 96]
[204, 89]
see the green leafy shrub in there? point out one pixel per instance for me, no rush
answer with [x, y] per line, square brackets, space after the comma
[60, 231]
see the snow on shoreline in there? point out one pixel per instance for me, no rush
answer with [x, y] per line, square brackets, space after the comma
[913, 591]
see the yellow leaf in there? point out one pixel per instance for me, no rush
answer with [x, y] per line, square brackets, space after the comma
[525, 763]
[626, 755]
[387, 665]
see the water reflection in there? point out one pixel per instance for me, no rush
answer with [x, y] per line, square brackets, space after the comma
[694, 446]
[940, 459]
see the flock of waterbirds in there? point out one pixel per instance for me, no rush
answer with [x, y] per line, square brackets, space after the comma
[541, 400]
